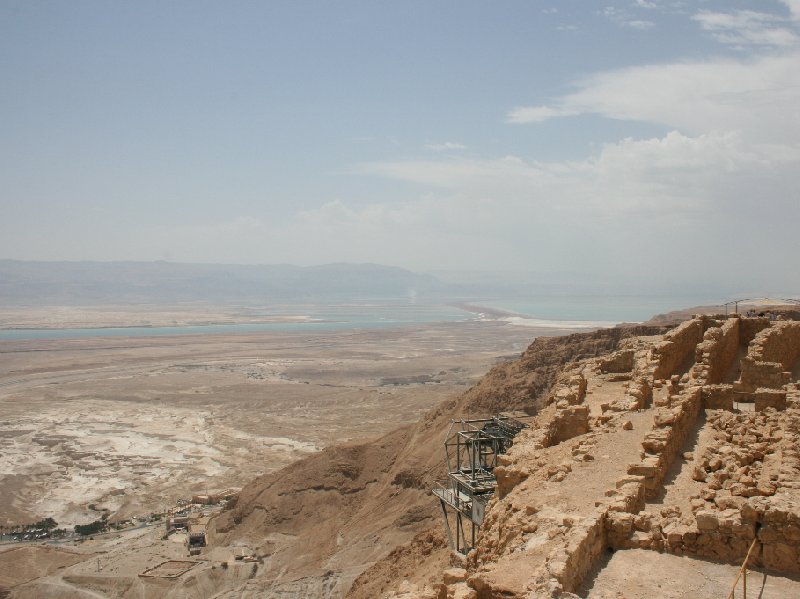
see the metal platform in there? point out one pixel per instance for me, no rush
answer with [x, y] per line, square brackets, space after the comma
[471, 451]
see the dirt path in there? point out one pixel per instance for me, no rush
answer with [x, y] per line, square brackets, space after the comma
[641, 574]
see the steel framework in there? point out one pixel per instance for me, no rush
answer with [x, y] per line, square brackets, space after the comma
[471, 449]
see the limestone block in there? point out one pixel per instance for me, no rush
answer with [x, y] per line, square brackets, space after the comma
[656, 441]
[699, 474]
[769, 534]
[647, 468]
[707, 520]
[664, 417]
[727, 502]
[628, 480]
[673, 533]
[749, 511]
[454, 575]
[792, 533]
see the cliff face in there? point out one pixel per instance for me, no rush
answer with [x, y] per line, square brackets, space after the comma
[321, 522]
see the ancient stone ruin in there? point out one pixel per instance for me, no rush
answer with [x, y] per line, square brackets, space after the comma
[684, 443]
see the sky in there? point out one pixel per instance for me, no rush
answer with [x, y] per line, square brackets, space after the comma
[647, 141]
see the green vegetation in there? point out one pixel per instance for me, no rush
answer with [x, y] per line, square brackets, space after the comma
[89, 529]
[47, 524]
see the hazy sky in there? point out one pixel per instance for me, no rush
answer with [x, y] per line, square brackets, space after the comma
[651, 139]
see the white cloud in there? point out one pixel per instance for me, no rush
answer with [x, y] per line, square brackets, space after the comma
[794, 8]
[662, 201]
[445, 147]
[538, 114]
[659, 174]
[567, 28]
[746, 28]
[758, 97]
[657, 208]
[622, 18]
[640, 24]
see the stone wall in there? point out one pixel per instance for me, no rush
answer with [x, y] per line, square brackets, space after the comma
[717, 397]
[751, 457]
[779, 343]
[673, 422]
[750, 327]
[565, 417]
[619, 361]
[771, 356]
[584, 546]
[715, 355]
[677, 346]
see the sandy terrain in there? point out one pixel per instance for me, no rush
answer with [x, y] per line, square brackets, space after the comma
[641, 574]
[132, 424]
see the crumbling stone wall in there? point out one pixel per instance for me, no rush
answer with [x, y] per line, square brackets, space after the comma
[771, 357]
[717, 397]
[673, 422]
[565, 416]
[750, 327]
[620, 361]
[750, 471]
[714, 356]
[779, 343]
[676, 347]
[585, 543]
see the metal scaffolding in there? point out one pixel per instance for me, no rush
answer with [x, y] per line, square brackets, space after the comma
[471, 450]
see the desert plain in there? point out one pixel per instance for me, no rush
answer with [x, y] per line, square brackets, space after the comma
[129, 425]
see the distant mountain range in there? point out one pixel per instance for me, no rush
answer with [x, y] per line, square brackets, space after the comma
[25, 282]
[85, 283]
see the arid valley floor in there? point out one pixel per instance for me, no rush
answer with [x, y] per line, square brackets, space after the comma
[132, 424]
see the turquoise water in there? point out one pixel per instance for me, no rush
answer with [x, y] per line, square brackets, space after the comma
[382, 315]
[323, 318]
[621, 308]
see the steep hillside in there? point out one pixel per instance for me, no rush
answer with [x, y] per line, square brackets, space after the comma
[322, 521]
